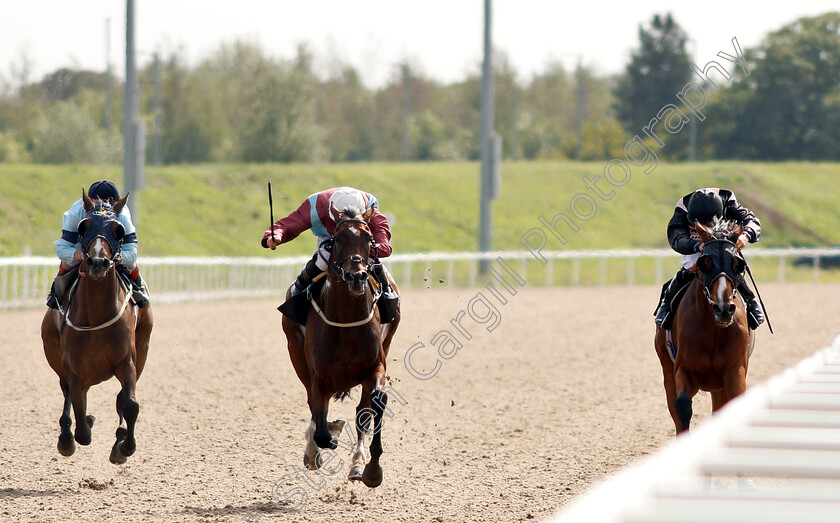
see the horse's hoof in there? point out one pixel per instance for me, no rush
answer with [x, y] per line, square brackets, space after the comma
[126, 449]
[83, 439]
[117, 457]
[310, 462]
[326, 442]
[335, 427]
[90, 420]
[372, 477]
[66, 448]
[355, 473]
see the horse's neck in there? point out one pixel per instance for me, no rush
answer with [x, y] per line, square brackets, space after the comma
[704, 309]
[96, 300]
[340, 304]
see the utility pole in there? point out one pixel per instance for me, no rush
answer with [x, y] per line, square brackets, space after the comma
[133, 132]
[109, 81]
[490, 146]
[157, 146]
[406, 74]
[692, 124]
[581, 108]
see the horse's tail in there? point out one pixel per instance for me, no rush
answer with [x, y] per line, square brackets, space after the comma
[341, 396]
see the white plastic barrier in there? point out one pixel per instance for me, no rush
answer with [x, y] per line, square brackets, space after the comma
[25, 281]
[771, 455]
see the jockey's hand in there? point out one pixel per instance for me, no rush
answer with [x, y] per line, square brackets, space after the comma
[742, 241]
[273, 242]
[79, 255]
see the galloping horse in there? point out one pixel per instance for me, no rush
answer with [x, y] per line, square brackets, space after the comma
[711, 338]
[343, 345]
[95, 334]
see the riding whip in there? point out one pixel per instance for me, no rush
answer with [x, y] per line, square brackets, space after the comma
[766, 316]
[271, 208]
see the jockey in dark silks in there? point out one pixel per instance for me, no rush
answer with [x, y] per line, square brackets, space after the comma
[68, 248]
[704, 205]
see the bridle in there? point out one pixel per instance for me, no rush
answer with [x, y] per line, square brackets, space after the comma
[102, 209]
[719, 266]
[337, 267]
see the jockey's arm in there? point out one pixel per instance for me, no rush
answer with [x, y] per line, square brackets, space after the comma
[679, 233]
[381, 233]
[288, 228]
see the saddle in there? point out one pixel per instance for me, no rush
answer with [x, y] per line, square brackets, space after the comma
[296, 308]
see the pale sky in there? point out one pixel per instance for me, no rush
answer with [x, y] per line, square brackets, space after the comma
[443, 37]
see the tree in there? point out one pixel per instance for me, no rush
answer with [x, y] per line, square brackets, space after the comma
[658, 69]
[787, 108]
[67, 134]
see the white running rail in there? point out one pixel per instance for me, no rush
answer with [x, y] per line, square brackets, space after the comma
[769, 456]
[25, 281]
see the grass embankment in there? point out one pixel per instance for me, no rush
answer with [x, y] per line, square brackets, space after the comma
[223, 209]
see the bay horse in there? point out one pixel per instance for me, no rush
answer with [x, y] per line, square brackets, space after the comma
[95, 335]
[711, 339]
[342, 345]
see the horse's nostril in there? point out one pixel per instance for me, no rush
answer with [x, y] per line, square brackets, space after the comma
[716, 308]
[731, 308]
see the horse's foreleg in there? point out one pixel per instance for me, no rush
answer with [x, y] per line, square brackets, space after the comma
[372, 476]
[682, 404]
[319, 403]
[128, 409]
[78, 397]
[310, 453]
[734, 383]
[66, 445]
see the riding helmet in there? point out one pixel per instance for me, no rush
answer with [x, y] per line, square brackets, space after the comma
[104, 190]
[704, 205]
[347, 197]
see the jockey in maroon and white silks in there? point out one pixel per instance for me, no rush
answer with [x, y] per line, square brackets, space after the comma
[314, 214]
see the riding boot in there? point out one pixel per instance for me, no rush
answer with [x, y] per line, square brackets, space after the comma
[138, 289]
[65, 279]
[755, 312]
[310, 270]
[669, 290]
[390, 299]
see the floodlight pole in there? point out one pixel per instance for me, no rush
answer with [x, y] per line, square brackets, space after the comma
[133, 132]
[487, 151]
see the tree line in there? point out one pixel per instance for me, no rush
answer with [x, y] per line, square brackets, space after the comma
[241, 105]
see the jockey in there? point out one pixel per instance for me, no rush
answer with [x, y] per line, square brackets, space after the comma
[704, 205]
[68, 248]
[314, 213]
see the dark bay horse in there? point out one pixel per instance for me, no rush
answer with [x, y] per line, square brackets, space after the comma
[96, 335]
[710, 332]
[344, 345]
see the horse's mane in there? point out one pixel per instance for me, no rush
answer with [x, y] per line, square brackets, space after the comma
[351, 211]
[722, 228]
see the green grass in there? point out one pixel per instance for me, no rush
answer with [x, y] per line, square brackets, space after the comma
[223, 209]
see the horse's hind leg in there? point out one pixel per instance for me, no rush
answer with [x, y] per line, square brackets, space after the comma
[128, 410]
[363, 416]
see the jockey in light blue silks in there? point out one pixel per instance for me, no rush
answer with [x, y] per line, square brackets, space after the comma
[68, 248]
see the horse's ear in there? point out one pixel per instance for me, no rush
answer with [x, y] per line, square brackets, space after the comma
[704, 263]
[703, 231]
[368, 213]
[118, 207]
[334, 212]
[118, 229]
[83, 227]
[87, 200]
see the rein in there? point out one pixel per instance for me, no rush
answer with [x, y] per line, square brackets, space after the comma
[323, 316]
[338, 269]
[66, 313]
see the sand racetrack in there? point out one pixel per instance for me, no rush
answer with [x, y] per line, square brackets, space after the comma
[565, 390]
